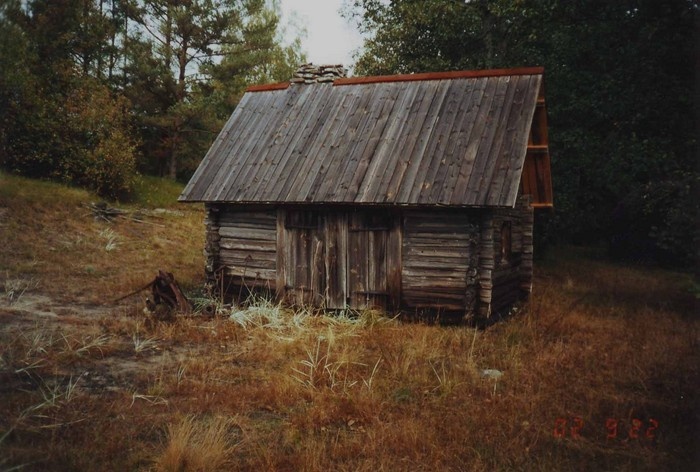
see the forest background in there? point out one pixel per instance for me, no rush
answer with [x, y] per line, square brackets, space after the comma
[96, 92]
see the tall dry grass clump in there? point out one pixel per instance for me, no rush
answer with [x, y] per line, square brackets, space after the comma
[198, 445]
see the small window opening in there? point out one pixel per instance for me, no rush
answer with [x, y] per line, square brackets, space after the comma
[302, 219]
[506, 242]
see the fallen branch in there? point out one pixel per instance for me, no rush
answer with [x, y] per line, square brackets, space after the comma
[101, 211]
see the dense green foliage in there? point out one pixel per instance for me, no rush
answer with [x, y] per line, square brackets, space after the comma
[619, 86]
[92, 91]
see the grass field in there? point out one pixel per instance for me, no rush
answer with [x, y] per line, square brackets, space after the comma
[600, 370]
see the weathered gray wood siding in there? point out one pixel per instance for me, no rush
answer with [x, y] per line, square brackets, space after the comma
[440, 254]
[247, 247]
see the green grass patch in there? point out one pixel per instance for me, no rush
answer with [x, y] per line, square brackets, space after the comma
[156, 192]
[149, 191]
[14, 188]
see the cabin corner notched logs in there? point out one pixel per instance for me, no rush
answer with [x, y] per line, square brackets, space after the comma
[411, 193]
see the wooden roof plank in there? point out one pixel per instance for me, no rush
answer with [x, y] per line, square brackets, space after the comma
[344, 104]
[354, 164]
[415, 176]
[442, 139]
[438, 158]
[459, 137]
[310, 109]
[352, 127]
[484, 160]
[305, 173]
[471, 143]
[319, 150]
[498, 155]
[388, 147]
[230, 159]
[370, 154]
[409, 120]
[254, 147]
[518, 128]
[285, 149]
[270, 150]
[277, 153]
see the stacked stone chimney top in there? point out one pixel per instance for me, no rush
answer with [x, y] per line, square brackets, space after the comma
[312, 74]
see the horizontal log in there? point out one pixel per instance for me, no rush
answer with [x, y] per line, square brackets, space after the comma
[251, 263]
[411, 271]
[263, 274]
[238, 245]
[431, 270]
[248, 233]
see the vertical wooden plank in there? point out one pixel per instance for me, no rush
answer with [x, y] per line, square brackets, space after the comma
[394, 261]
[281, 245]
[377, 272]
[527, 222]
[335, 259]
[475, 123]
[357, 260]
[486, 264]
[301, 264]
[317, 274]
[491, 140]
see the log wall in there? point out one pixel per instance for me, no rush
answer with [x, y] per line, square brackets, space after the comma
[247, 248]
[414, 260]
[439, 259]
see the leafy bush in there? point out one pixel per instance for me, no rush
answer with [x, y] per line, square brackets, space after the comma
[103, 159]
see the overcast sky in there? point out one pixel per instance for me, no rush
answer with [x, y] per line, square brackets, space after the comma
[329, 38]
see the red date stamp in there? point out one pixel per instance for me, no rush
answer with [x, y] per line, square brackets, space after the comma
[614, 428]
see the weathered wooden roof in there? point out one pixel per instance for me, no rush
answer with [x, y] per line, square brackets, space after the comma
[456, 138]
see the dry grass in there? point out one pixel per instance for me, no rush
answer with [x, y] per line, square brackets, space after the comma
[265, 388]
[52, 240]
[197, 445]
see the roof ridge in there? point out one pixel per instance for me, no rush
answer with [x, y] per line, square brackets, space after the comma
[373, 79]
[458, 74]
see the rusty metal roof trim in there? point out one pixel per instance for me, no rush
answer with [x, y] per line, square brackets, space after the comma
[460, 74]
[267, 87]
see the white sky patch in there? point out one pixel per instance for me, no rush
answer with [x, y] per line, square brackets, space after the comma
[330, 39]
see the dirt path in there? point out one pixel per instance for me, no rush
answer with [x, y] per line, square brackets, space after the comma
[106, 351]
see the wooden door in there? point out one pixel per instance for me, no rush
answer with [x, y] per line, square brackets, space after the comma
[305, 274]
[337, 258]
[369, 235]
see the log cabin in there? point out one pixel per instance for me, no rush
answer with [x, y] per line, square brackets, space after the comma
[405, 193]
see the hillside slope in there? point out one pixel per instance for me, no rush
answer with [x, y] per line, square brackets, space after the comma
[50, 240]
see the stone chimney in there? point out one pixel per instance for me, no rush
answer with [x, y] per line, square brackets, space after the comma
[311, 74]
